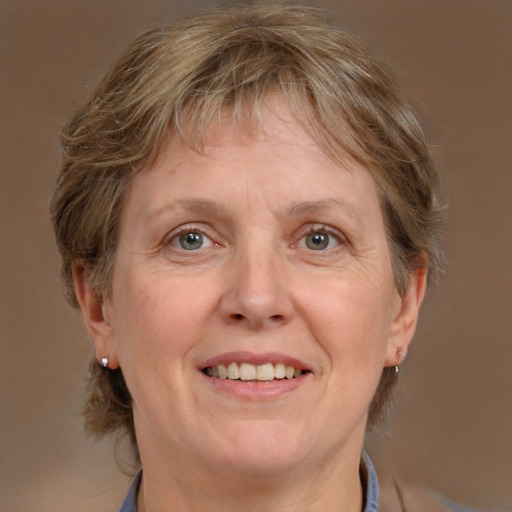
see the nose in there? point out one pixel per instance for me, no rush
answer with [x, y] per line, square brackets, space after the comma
[258, 294]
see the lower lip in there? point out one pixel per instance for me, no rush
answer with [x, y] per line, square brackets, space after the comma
[263, 390]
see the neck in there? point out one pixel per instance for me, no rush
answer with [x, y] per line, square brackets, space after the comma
[334, 486]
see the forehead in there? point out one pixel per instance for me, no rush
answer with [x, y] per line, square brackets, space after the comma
[274, 162]
[271, 123]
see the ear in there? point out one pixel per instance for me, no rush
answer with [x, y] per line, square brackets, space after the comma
[96, 318]
[405, 317]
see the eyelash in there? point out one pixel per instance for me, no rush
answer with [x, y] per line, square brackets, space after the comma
[173, 238]
[322, 230]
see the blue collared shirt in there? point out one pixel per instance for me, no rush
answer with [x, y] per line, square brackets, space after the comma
[371, 496]
[371, 501]
[130, 502]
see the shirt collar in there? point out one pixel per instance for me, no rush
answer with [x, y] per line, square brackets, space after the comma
[130, 502]
[372, 485]
[371, 495]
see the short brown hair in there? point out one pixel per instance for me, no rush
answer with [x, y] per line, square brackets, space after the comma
[177, 79]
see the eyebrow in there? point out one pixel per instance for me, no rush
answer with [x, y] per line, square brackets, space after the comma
[199, 206]
[299, 208]
[308, 207]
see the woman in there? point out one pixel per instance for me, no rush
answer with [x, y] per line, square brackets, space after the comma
[248, 218]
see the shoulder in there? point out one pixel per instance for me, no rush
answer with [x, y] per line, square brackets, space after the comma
[419, 499]
[398, 495]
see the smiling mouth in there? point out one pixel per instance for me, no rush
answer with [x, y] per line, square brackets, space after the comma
[247, 372]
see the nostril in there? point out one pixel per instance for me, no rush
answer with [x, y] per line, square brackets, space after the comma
[238, 317]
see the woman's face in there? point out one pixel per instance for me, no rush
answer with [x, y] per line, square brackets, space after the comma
[258, 256]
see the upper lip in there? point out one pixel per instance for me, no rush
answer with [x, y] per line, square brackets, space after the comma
[256, 359]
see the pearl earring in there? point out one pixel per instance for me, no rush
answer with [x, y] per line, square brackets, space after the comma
[104, 361]
[400, 355]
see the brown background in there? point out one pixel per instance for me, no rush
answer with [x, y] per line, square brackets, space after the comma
[453, 429]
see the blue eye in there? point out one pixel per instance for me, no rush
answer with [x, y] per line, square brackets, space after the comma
[319, 241]
[191, 241]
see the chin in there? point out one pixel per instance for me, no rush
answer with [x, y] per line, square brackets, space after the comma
[264, 448]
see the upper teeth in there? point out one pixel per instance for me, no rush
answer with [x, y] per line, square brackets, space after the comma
[247, 371]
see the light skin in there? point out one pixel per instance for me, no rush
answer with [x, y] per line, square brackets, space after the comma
[261, 248]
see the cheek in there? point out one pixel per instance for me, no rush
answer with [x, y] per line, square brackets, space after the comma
[351, 322]
[154, 321]
[157, 327]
